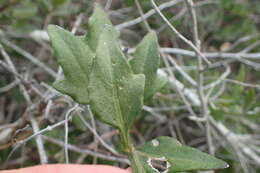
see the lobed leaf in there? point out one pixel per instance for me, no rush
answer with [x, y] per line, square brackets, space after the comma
[179, 158]
[96, 24]
[116, 93]
[116, 88]
[146, 60]
[76, 59]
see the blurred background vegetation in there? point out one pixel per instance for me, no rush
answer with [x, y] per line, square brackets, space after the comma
[225, 26]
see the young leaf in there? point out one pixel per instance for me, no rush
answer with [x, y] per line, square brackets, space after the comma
[146, 60]
[116, 94]
[76, 59]
[96, 25]
[178, 158]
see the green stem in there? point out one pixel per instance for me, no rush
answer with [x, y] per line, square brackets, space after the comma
[126, 140]
[136, 164]
[132, 153]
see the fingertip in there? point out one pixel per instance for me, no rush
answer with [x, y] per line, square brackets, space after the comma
[129, 170]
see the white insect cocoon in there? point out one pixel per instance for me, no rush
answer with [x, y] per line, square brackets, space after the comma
[160, 165]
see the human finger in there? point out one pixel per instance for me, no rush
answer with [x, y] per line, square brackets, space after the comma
[68, 168]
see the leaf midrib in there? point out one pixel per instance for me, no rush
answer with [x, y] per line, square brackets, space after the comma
[115, 93]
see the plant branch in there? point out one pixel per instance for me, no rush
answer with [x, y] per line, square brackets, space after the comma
[88, 152]
[188, 42]
[39, 142]
[200, 78]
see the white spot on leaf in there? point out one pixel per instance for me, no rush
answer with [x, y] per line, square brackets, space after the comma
[227, 166]
[155, 142]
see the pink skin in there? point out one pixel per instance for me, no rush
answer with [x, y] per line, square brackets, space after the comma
[62, 168]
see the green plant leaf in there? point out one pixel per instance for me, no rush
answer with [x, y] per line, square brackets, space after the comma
[25, 11]
[79, 124]
[96, 25]
[249, 98]
[116, 93]
[239, 89]
[76, 59]
[178, 158]
[146, 60]
[58, 3]
[158, 84]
